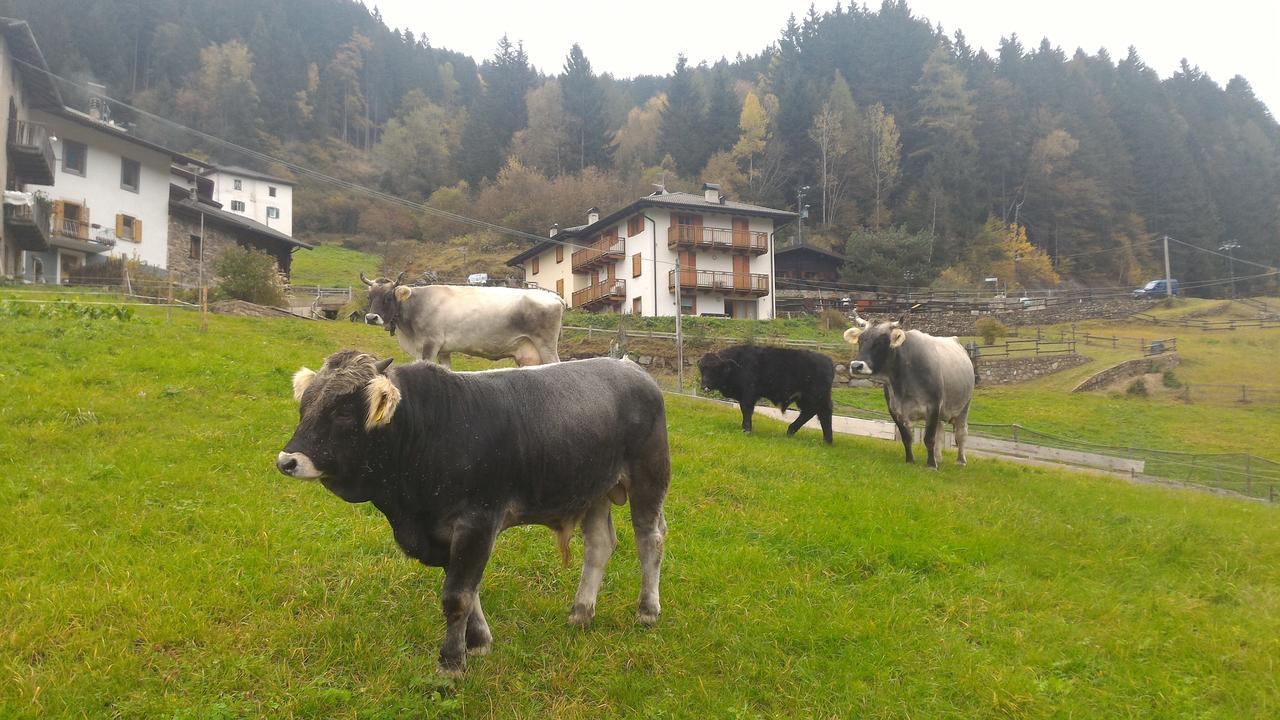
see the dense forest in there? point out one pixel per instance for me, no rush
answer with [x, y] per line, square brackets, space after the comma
[927, 162]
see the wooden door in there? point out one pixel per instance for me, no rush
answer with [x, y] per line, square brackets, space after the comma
[741, 272]
[741, 234]
[688, 268]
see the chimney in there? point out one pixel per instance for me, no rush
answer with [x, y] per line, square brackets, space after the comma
[711, 193]
[98, 108]
[555, 230]
[593, 216]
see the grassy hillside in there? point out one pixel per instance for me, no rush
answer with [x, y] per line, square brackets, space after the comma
[333, 266]
[157, 566]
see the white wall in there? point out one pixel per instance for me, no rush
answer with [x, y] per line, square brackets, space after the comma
[99, 189]
[657, 296]
[256, 196]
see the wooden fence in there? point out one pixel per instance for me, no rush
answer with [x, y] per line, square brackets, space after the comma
[1210, 325]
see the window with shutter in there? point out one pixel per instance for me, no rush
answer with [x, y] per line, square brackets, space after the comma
[560, 287]
[636, 265]
[534, 266]
[559, 253]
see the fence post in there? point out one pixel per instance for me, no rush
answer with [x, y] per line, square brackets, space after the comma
[1015, 432]
[1248, 472]
[1271, 493]
[1244, 393]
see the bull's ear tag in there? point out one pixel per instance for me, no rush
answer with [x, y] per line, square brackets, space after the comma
[898, 337]
[851, 335]
[383, 397]
[301, 380]
[403, 292]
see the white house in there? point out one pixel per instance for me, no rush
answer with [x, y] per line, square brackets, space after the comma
[110, 198]
[626, 261]
[26, 157]
[258, 196]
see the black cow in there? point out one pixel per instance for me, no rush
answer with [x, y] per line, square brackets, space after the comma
[453, 459]
[747, 373]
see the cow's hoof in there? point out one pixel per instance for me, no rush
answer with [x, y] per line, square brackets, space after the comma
[648, 615]
[480, 650]
[581, 616]
[452, 670]
[961, 463]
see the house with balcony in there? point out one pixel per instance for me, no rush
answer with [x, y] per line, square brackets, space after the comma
[627, 261]
[263, 198]
[27, 157]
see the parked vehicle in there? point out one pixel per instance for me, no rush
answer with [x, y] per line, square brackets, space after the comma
[1156, 289]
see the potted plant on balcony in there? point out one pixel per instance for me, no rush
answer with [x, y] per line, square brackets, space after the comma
[42, 208]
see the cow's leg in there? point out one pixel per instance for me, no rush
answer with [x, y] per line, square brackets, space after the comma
[649, 474]
[479, 639]
[748, 407]
[961, 427]
[904, 434]
[468, 554]
[598, 540]
[446, 359]
[824, 418]
[549, 352]
[429, 352]
[931, 439]
[807, 411]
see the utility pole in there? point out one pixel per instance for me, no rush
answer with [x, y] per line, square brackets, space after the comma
[1229, 248]
[800, 213]
[1168, 277]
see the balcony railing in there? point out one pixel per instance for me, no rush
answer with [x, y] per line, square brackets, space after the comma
[602, 293]
[28, 225]
[700, 237]
[30, 152]
[730, 283]
[604, 250]
[71, 228]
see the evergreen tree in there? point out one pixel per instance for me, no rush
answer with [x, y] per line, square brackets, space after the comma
[498, 112]
[584, 105]
[683, 120]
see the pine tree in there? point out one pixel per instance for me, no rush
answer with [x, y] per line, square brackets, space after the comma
[584, 105]
[683, 121]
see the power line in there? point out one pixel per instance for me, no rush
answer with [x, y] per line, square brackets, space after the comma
[1221, 255]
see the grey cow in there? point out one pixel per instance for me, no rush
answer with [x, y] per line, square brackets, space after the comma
[925, 378]
[433, 321]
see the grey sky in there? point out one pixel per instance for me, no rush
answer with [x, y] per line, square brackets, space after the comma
[1225, 37]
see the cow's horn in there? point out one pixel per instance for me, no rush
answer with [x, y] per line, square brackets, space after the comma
[859, 321]
[382, 365]
[400, 277]
[365, 280]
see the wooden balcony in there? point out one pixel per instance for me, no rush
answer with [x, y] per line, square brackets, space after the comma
[601, 252]
[30, 152]
[601, 295]
[28, 226]
[729, 283]
[700, 237]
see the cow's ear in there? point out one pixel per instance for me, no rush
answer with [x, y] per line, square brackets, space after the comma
[897, 337]
[383, 397]
[301, 380]
[403, 292]
[851, 335]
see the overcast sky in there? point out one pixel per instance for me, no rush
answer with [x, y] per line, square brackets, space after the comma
[1224, 37]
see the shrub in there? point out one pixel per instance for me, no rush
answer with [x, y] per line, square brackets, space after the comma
[1137, 388]
[991, 329]
[833, 319]
[249, 275]
[1170, 380]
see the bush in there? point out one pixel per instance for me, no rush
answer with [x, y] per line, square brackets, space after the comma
[249, 275]
[1170, 380]
[1137, 388]
[990, 329]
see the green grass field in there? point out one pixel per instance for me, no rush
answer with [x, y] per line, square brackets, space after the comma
[155, 565]
[332, 266]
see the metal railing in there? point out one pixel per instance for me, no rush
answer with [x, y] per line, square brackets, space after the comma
[612, 290]
[71, 228]
[715, 238]
[720, 281]
[607, 248]
[36, 213]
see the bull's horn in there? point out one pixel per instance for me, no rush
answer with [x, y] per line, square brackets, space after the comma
[400, 277]
[365, 280]
[382, 365]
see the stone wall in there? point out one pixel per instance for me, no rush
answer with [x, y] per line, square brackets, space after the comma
[217, 238]
[956, 322]
[1006, 371]
[1128, 369]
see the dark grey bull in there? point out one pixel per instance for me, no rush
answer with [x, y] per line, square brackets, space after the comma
[433, 321]
[453, 459]
[925, 378]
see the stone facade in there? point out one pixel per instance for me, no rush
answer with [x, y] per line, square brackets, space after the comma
[956, 322]
[218, 237]
[1006, 371]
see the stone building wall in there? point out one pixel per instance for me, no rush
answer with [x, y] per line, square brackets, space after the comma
[217, 238]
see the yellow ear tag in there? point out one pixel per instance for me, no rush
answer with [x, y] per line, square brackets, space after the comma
[381, 413]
